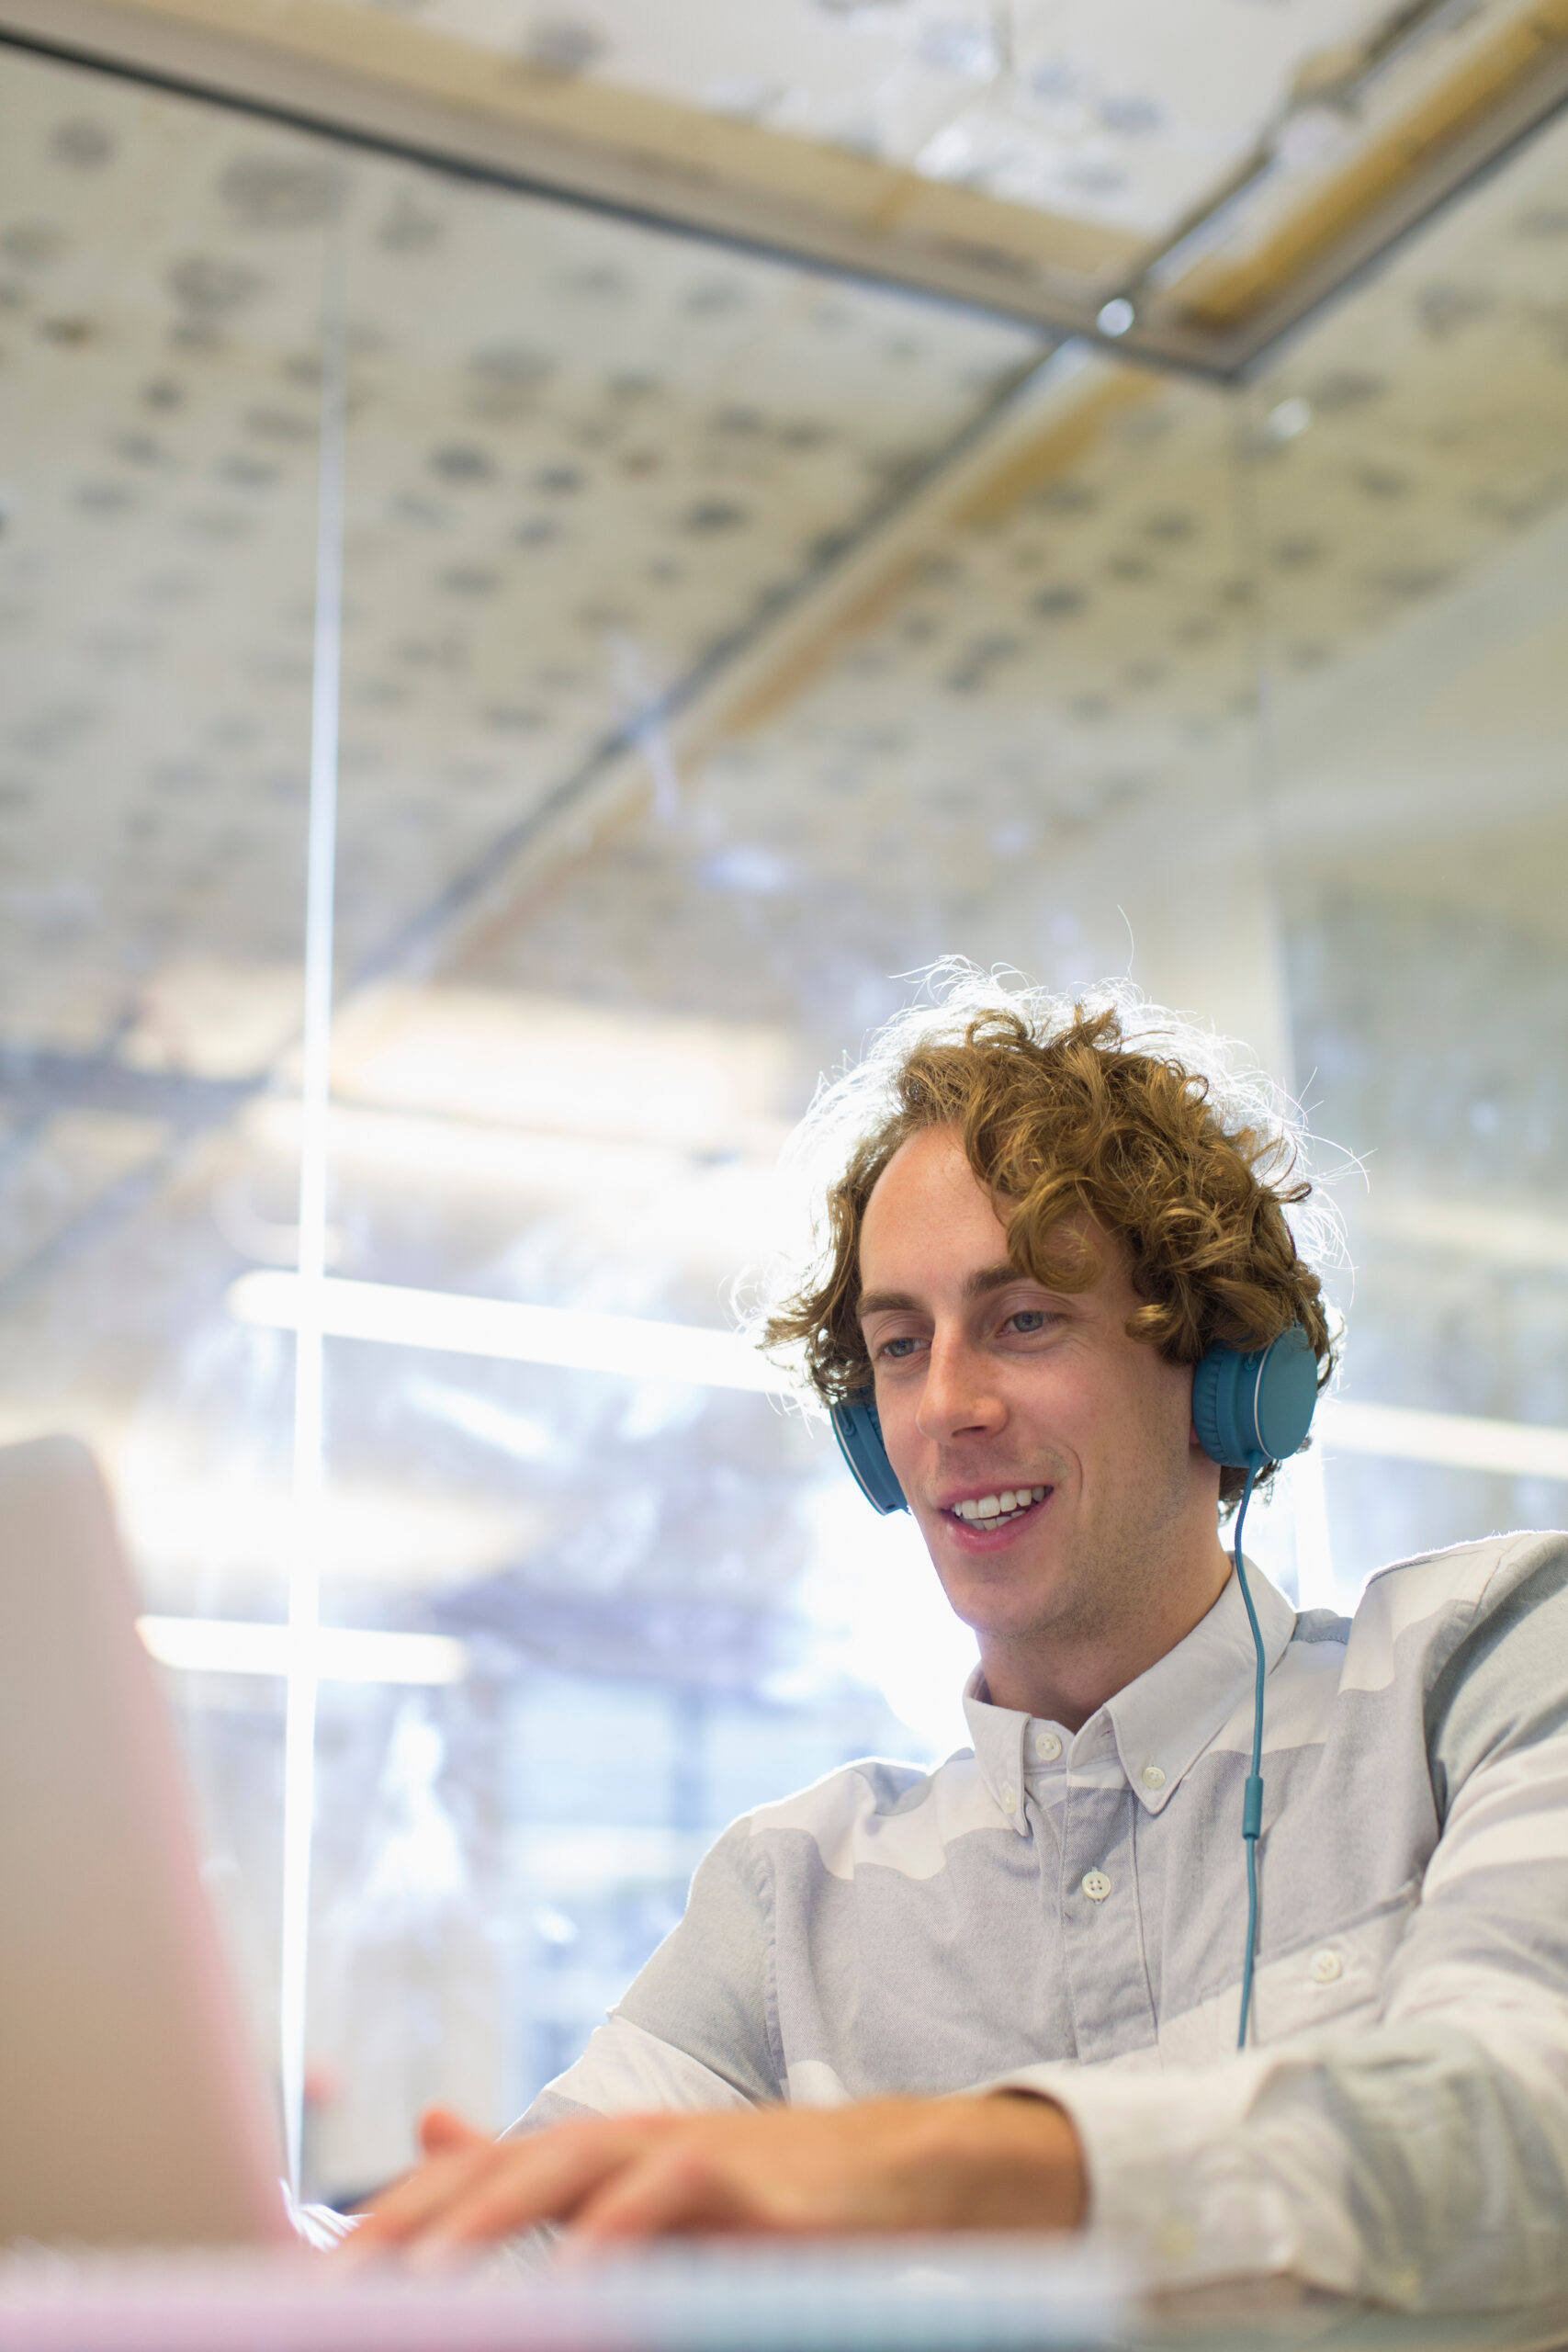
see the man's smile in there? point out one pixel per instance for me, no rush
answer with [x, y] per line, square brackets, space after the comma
[981, 1521]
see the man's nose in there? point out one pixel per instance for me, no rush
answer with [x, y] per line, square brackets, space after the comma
[958, 1394]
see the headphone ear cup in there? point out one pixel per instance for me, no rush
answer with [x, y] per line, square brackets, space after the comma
[1213, 1407]
[858, 1432]
[1287, 1395]
[1258, 1403]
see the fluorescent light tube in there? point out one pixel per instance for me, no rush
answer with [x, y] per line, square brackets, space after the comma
[1452, 1440]
[225, 1645]
[574, 1338]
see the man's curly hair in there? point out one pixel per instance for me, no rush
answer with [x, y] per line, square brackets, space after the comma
[1065, 1109]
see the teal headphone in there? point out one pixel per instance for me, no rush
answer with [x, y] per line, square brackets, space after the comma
[1249, 1408]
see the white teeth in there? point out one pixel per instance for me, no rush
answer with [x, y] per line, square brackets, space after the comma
[994, 1509]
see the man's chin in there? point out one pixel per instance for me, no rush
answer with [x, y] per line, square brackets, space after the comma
[1008, 1591]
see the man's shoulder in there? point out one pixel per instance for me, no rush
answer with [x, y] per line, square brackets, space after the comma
[1443, 1593]
[1464, 1571]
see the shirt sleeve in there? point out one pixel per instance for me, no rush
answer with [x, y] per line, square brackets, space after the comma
[697, 2028]
[1420, 2160]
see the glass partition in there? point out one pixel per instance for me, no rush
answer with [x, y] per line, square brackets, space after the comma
[1405, 475]
[161, 278]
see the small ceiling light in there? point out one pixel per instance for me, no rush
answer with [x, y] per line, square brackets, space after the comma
[1289, 418]
[1116, 317]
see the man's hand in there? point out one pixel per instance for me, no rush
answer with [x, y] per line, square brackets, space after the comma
[995, 2162]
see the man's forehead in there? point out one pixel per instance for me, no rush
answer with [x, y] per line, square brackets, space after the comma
[930, 1224]
[929, 1198]
[932, 1159]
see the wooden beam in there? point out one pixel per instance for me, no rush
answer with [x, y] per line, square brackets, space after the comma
[383, 78]
[1442, 106]
[1044, 437]
[1065, 436]
[1436, 128]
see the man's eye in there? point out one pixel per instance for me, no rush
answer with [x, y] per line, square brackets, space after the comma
[897, 1348]
[1029, 1318]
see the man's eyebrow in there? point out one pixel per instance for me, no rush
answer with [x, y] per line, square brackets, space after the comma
[886, 1302]
[987, 1279]
[979, 1285]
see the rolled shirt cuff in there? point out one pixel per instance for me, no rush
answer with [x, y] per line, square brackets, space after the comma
[1180, 2173]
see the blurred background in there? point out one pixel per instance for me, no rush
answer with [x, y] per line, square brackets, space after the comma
[654, 522]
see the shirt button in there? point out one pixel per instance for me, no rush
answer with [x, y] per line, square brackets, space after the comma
[1010, 1800]
[1326, 1967]
[1096, 1885]
[1152, 1777]
[1047, 1747]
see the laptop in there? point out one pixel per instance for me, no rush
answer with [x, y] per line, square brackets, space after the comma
[133, 2114]
[131, 2107]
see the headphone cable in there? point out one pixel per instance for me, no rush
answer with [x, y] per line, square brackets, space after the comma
[1252, 1800]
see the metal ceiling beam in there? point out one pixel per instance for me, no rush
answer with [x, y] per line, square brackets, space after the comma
[399, 90]
[1507, 80]
[790, 200]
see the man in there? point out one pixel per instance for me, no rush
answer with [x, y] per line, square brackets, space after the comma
[1005, 1994]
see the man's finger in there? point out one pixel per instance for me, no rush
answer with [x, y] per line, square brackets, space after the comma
[442, 2133]
[664, 2192]
[411, 2203]
[529, 2181]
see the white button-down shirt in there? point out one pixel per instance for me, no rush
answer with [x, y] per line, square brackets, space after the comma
[1066, 1912]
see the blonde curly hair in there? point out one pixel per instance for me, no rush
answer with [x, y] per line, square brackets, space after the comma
[1103, 1104]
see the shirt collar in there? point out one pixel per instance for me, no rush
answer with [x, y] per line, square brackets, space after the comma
[1162, 1722]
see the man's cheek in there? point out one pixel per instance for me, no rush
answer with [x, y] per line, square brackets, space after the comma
[903, 1441]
